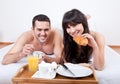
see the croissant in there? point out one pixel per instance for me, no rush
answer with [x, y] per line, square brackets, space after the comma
[80, 40]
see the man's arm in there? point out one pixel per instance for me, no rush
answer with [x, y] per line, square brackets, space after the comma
[58, 46]
[15, 53]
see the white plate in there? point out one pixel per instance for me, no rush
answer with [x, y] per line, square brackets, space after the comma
[79, 71]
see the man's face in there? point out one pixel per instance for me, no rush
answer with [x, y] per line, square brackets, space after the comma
[41, 30]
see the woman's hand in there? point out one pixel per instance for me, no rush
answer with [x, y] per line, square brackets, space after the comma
[91, 40]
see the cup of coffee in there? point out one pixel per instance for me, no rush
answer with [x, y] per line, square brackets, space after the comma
[47, 68]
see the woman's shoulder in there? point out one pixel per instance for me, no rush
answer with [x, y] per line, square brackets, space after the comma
[99, 38]
[96, 34]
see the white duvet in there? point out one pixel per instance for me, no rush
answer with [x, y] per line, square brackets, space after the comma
[110, 74]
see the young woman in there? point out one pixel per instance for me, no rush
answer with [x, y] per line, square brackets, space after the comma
[75, 24]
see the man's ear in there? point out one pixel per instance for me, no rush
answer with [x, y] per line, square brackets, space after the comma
[88, 16]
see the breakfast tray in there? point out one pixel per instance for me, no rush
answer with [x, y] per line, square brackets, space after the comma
[24, 76]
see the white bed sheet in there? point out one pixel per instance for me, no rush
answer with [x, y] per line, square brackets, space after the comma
[110, 74]
[8, 71]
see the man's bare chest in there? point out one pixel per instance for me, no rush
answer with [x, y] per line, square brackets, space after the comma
[48, 49]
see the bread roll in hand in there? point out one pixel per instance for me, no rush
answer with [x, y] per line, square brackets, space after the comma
[80, 40]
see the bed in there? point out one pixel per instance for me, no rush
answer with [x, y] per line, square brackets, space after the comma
[110, 74]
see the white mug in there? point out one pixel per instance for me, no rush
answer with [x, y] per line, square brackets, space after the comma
[47, 67]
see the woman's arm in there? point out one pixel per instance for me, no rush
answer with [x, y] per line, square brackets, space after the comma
[98, 51]
[97, 42]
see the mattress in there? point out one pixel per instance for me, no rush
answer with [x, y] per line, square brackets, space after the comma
[110, 74]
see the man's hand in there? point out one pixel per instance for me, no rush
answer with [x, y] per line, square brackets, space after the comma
[27, 49]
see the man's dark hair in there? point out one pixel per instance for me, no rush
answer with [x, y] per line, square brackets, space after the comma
[40, 17]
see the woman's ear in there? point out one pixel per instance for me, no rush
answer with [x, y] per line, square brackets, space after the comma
[88, 16]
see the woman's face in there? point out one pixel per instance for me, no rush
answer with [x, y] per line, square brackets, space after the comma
[75, 30]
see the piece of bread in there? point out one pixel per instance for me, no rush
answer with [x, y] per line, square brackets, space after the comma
[80, 40]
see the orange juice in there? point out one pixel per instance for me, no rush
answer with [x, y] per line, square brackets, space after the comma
[33, 63]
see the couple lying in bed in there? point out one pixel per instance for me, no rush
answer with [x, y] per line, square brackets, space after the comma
[50, 41]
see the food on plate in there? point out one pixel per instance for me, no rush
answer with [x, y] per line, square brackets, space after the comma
[80, 40]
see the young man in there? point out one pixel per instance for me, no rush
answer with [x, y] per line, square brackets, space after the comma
[41, 38]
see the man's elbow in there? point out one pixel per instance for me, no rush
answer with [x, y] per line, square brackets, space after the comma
[4, 62]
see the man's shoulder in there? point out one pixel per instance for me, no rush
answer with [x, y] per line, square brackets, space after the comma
[28, 36]
[27, 32]
[56, 30]
[57, 34]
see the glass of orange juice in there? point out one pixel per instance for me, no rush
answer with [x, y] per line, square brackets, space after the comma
[33, 63]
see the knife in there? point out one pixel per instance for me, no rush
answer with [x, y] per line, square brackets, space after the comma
[66, 68]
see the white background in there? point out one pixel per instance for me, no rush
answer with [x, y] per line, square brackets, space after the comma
[16, 16]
